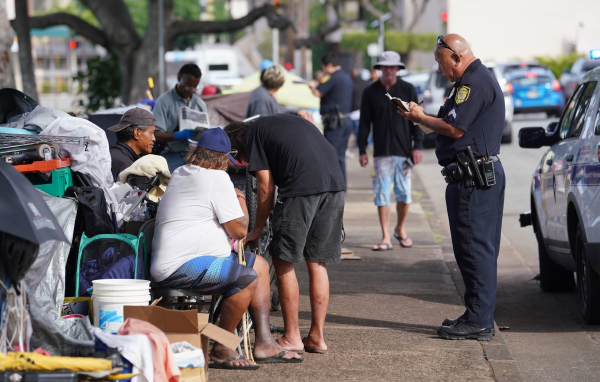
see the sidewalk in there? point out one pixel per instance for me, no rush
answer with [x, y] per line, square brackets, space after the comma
[384, 309]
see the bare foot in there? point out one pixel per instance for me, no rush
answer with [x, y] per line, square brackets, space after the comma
[220, 353]
[382, 247]
[400, 232]
[268, 351]
[310, 343]
[292, 346]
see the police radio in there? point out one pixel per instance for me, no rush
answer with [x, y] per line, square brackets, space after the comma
[487, 166]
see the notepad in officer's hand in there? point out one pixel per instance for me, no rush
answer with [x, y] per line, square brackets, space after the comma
[425, 129]
[398, 102]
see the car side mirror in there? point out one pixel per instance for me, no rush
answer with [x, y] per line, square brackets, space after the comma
[551, 129]
[536, 137]
[532, 137]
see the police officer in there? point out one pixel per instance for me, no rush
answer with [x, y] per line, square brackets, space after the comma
[335, 91]
[475, 106]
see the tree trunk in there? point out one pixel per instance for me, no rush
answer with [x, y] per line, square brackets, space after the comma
[7, 78]
[25, 58]
[145, 61]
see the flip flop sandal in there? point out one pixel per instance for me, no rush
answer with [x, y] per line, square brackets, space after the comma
[401, 239]
[381, 248]
[279, 358]
[225, 364]
[315, 350]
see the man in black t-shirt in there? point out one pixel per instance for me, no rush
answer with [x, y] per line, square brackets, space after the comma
[336, 98]
[291, 153]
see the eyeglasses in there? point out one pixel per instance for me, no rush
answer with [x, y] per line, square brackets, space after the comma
[440, 41]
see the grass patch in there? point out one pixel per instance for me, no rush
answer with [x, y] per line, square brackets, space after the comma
[438, 238]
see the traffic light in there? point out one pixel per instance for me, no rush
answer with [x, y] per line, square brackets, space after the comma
[73, 44]
[444, 16]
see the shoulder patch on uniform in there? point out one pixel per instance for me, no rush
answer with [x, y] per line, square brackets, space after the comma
[462, 94]
[452, 114]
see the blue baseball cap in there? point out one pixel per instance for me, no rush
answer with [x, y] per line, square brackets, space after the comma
[215, 139]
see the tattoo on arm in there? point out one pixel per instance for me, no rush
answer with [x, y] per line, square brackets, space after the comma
[243, 221]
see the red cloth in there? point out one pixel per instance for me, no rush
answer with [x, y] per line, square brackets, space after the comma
[209, 90]
[165, 366]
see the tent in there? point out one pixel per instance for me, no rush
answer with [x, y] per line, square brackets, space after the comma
[290, 94]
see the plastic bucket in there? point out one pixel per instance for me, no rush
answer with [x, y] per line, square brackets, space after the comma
[120, 285]
[108, 311]
[110, 295]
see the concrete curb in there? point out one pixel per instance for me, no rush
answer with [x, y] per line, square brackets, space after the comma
[496, 352]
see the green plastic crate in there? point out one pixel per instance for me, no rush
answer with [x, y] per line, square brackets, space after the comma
[60, 180]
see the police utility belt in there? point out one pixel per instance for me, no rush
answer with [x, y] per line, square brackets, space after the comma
[470, 170]
[333, 118]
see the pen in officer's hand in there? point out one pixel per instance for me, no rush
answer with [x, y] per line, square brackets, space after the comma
[420, 103]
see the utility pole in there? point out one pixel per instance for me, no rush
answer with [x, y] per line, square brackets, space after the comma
[161, 48]
[380, 23]
[289, 33]
[275, 42]
[303, 32]
[25, 57]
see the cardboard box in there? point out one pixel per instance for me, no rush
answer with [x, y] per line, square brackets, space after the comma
[193, 374]
[184, 325]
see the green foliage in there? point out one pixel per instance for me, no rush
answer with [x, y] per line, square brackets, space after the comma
[74, 8]
[401, 42]
[559, 64]
[101, 83]
[138, 9]
[187, 9]
[317, 16]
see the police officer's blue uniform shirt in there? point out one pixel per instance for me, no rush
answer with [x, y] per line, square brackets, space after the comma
[475, 104]
[336, 91]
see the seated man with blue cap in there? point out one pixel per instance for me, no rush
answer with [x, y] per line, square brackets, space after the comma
[198, 216]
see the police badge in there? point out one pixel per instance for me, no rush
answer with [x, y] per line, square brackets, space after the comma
[462, 94]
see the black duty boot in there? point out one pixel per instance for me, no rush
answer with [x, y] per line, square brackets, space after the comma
[461, 331]
[450, 322]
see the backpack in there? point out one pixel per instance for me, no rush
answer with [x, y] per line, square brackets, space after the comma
[92, 209]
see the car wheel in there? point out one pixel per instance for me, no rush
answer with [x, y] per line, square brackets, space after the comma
[553, 277]
[508, 137]
[588, 283]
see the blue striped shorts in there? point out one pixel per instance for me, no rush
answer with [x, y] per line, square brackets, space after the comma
[389, 171]
[213, 275]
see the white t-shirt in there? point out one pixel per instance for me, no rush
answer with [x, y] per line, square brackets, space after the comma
[188, 223]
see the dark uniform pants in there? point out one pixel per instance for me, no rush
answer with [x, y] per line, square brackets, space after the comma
[475, 215]
[339, 139]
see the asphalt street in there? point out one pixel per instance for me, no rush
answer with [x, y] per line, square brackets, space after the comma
[547, 337]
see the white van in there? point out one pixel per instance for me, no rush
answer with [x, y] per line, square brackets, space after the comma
[220, 65]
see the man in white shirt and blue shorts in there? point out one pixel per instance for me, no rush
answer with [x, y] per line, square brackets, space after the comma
[198, 216]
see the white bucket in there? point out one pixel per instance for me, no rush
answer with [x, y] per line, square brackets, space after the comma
[120, 285]
[109, 297]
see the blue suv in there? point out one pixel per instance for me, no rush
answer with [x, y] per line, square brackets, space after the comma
[535, 90]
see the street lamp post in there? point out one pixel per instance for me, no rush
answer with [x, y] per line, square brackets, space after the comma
[380, 22]
[161, 49]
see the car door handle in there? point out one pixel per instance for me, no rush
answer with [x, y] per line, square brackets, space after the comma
[569, 157]
[549, 162]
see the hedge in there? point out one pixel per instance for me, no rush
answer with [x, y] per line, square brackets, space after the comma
[401, 42]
